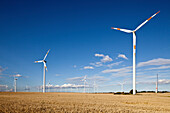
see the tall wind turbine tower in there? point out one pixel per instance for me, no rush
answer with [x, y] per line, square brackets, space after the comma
[45, 69]
[15, 84]
[134, 48]
[157, 84]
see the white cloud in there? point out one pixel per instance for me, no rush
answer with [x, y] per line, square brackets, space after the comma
[164, 81]
[3, 86]
[114, 64]
[106, 58]
[99, 55]
[124, 69]
[88, 67]
[18, 75]
[64, 86]
[122, 56]
[154, 62]
[71, 86]
[75, 66]
[161, 67]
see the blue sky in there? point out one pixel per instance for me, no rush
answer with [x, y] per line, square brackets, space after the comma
[81, 40]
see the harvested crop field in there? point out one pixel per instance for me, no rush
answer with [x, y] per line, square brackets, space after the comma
[83, 103]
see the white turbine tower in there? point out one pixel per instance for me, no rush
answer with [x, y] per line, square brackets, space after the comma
[45, 68]
[15, 84]
[134, 48]
[84, 79]
[157, 84]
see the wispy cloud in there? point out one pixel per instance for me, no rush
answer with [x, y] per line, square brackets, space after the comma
[2, 69]
[88, 67]
[98, 78]
[122, 56]
[97, 64]
[114, 64]
[57, 75]
[124, 69]
[161, 67]
[164, 81]
[121, 74]
[75, 79]
[154, 62]
[3, 86]
[75, 66]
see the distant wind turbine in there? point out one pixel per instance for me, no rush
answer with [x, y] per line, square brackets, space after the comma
[122, 86]
[94, 87]
[45, 68]
[84, 79]
[134, 48]
[157, 84]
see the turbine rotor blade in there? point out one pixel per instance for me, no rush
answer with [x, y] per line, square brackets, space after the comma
[38, 61]
[124, 30]
[46, 54]
[146, 21]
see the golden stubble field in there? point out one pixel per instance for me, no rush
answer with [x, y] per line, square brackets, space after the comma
[83, 103]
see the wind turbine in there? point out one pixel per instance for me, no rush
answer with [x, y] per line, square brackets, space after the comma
[84, 79]
[45, 68]
[134, 48]
[94, 87]
[122, 86]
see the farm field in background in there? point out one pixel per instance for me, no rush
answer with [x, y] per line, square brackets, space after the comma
[80, 102]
